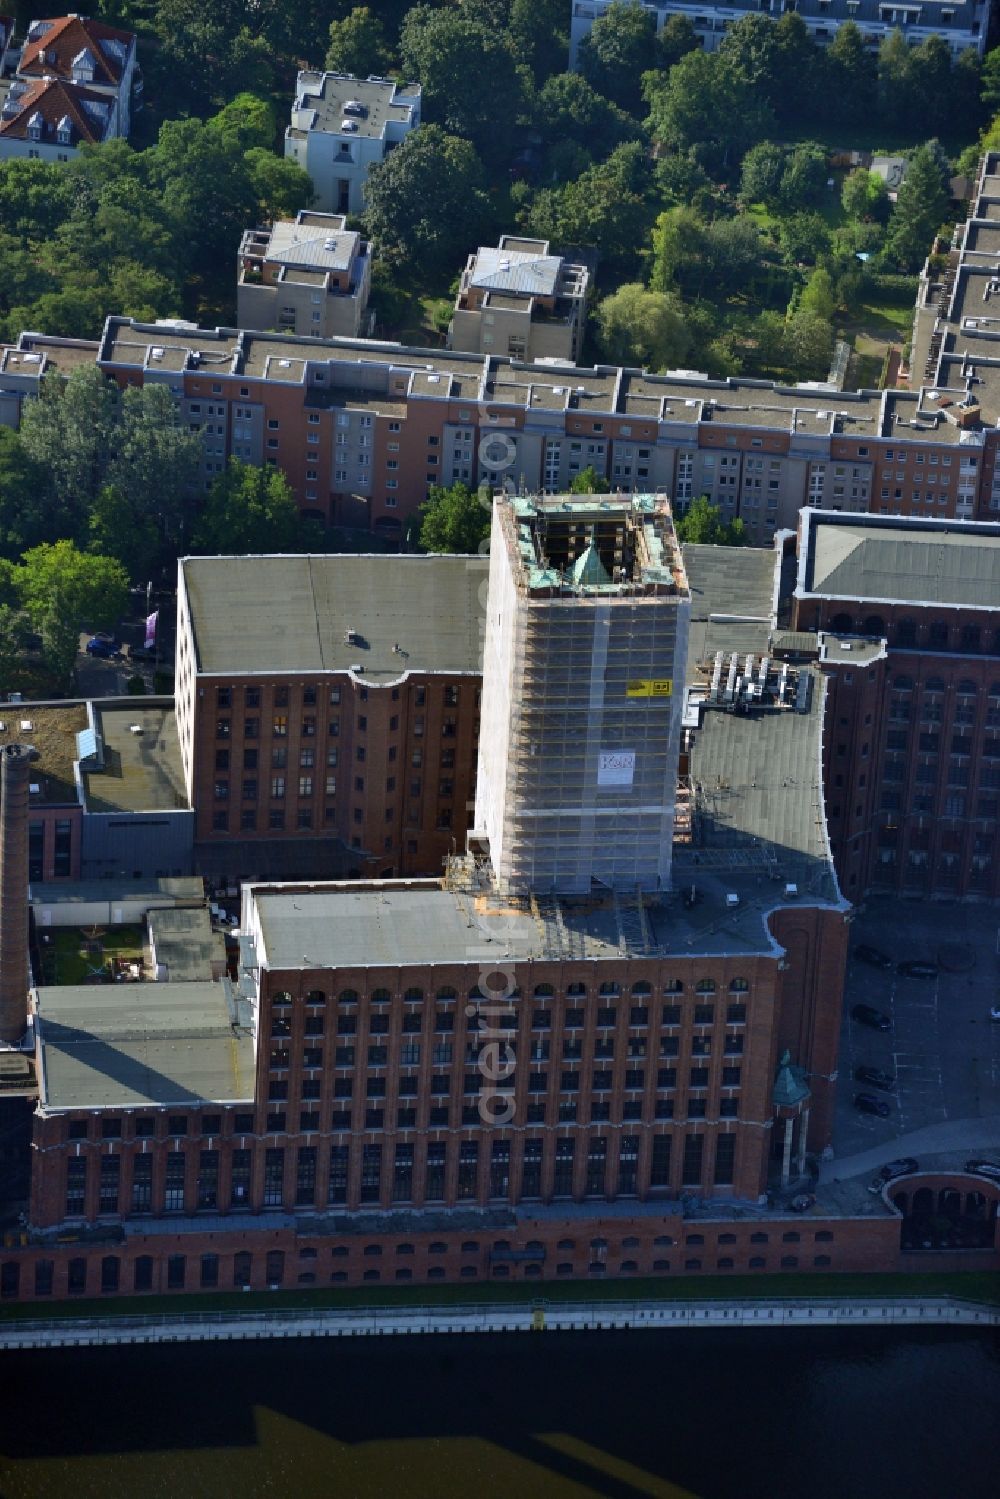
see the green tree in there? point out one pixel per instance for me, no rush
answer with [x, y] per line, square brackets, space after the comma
[538, 34]
[989, 84]
[865, 196]
[761, 173]
[155, 458]
[818, 295]
[569, 108]
[455, 519]
[804, 237]
[68, 432]
[358, 45]
[678, 248]
[705, 108]
[677, 38]
[702, 525]
[247, 510]
[607, 206]
[616, 51]
[426, 202]
[803, 182]
[25, 515]
[808, 344]
[470, 78]
[65, 591]
[920, 210]
[589, 481]
[647, 328]
[850, 80]
[751, 49]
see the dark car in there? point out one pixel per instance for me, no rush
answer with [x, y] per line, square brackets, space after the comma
[868, 1015]
[989, 1169]
[904, 1166]
[101, 646]
[142, 653]
[873, 956]
[874, 1076]
[917, 970]
[869, 1104]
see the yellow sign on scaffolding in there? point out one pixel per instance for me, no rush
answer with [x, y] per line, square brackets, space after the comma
[650, 687]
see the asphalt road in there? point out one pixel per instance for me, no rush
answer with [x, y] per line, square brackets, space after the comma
[943, 1050]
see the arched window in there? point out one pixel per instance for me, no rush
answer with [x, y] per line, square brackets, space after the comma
[874, 625]
[661, 1264]
[316, 997]
[630, 1243]
[347, 997]
[725, 1264]
[967, 687]
[576, 989]
[821, 1261]
[372, 1275]
[415, 996]
[564, 1269]
[405, 1273]
[628, 1266]
[380, 996]
[642, 988]
[404, 1248]
[598, 1243]
[437, 1248]
[281, 998]
[902, 683]
[841, 624]
[674, 986]
[566, 1244]
[906, 633]
[471, 1246]
[739, 986]
[705, 986]
[757, 1262]
[610, 989]
[543, 991]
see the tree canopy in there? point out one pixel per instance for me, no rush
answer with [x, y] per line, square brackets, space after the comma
[427, 199]
[702, 524]
[454, 519]
[247, 510]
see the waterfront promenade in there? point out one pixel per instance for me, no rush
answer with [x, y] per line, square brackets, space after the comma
[396, 1321]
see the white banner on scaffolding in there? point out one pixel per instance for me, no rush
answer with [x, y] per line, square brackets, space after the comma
[615, 767]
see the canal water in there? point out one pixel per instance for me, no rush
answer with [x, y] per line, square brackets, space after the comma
[791, 1414]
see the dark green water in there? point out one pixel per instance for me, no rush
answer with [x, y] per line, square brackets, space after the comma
[719, 1414]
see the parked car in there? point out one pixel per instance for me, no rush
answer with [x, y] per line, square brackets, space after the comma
[142, 653]
[917, 970]
[867, 1103]
[874, 1076]
[873, 956]
[868, 1015]
[989, 1169]
[904, 1166]
[101, 646]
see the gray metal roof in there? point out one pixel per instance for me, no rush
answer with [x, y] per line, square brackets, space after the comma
[169, 890]
[129, 1045]
[919, 563]
[524, 273]
[430, 607]
[308, 242]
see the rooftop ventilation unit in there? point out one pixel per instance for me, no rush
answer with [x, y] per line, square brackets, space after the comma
[732, 900]
[791, 891]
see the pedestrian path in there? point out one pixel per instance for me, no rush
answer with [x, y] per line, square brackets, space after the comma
[932, 1139]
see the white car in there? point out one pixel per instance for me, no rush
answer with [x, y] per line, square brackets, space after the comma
[995, 1012]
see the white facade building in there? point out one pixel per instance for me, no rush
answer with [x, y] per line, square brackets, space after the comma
[343, 126]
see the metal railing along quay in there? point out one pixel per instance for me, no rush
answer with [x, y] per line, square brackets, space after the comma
[540, 1316]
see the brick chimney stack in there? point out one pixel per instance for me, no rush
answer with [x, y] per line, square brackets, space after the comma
[16, 761]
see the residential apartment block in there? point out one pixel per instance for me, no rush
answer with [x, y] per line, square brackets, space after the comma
[310, 275]
[342, 126]
[74, 81]
[960, 25]
[520, 301]
[328, 711]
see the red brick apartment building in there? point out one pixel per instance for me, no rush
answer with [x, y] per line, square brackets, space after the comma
[328, 711]
[912, 657]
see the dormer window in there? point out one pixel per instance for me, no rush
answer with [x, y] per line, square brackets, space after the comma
[64, 131]
[83, 66]
[35, 127]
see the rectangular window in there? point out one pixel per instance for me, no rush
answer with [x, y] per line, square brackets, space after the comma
[305, 1176]
[110, 1173]
[339, 1160]
[142, 1183]
[628, 1165]
[659, 1173]
[208, 1180]
[173, 1196]
[434, 1184]
[597, 1154]
[371, 1173]
[563, 1180]
[274, 1172]
[725, 1160]
[402, 1174]
[239, 1192]
[468, 1164]
[694, 1148]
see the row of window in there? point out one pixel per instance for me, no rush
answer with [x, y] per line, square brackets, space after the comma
[609, 989]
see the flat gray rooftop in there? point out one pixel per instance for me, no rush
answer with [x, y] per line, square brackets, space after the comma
[278, 613]
[130, 1045]
[141, 771]
[524, 272]
[176, 890]
[181, 938]
[923, 562]
[759, 825]
[732, 591]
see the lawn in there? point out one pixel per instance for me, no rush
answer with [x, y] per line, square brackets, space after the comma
[971, 1286]
[70, 955]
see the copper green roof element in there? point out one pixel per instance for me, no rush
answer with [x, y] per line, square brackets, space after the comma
[790, 1087]
[588, 571]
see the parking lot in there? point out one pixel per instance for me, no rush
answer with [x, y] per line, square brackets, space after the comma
[942, 1049]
